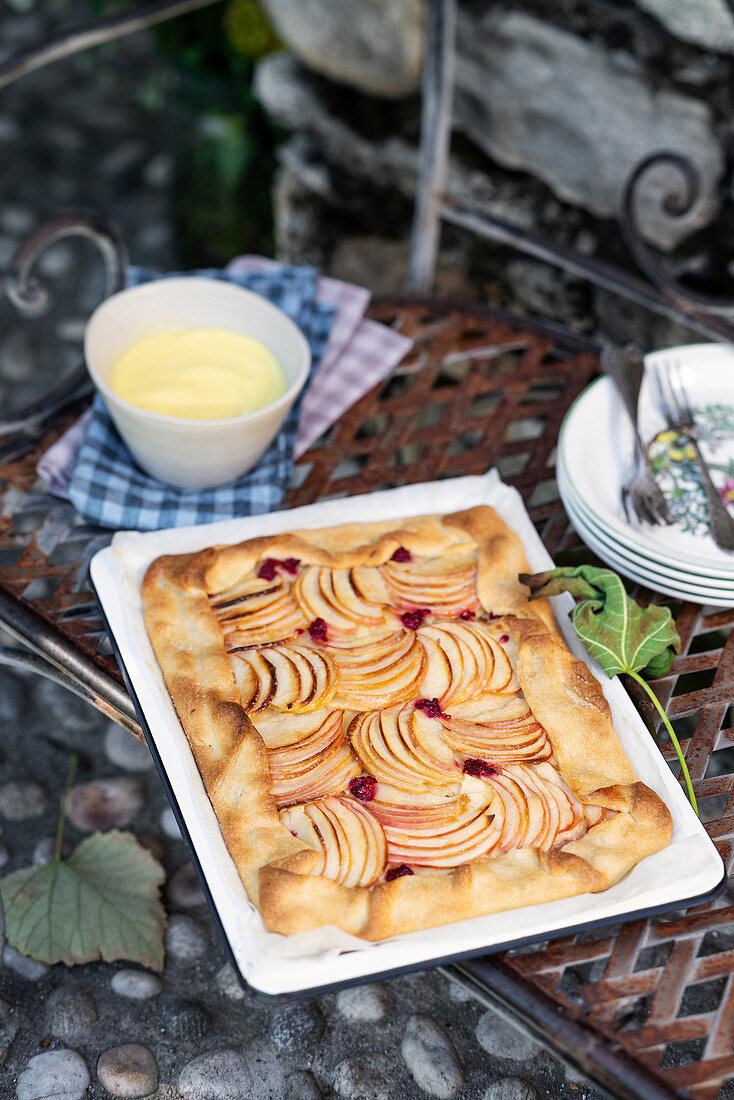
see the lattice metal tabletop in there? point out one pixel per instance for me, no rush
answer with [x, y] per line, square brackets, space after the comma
[646, 1008]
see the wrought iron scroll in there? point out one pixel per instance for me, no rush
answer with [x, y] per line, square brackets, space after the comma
[676, 204]
[30, 297]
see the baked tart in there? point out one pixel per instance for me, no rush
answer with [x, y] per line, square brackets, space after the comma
[391, 735]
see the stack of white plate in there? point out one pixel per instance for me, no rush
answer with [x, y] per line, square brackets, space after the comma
[595, 458]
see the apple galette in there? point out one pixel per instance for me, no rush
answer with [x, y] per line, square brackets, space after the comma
[392, 737]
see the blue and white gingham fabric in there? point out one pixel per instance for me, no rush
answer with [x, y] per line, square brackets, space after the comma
[107, 486]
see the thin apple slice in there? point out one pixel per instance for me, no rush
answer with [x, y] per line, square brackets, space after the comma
[349, 600]
[275, 619]
[438, 836]
[250, 590]
[384, 742]
[279, 729]
[320, 764]
[314, 594]
[436, 679]
[286, 677]
[499, 742]
[258, 685]
[373, 676]
[353, 845]
[446, 586]
[369, 583]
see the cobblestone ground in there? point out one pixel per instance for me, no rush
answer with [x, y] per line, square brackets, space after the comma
[98, 133]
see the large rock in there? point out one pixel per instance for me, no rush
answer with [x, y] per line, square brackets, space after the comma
[373, 45]
[540, 99]
[707, 23]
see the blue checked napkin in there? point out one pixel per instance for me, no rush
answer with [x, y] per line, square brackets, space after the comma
[107, 486]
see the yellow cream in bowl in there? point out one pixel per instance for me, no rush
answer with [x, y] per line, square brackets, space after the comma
[206, 374]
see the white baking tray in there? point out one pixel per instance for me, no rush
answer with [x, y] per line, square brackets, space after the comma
[277, 966]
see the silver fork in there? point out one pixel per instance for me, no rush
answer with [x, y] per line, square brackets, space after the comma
[676, 409]
[625, 366]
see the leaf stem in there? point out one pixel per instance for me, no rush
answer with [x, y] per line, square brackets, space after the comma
[671, 734]
[64, 803]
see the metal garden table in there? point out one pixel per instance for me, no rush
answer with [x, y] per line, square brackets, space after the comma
[645, 1008]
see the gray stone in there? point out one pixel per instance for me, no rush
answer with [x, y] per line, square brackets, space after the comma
[61, 1074]
[430, 1056]
[302, 1086]
[363, 1003]
[136, 985]
[503, 1039]
[537, 98]
[510, 1088]
[368, 1078]
[227, 983]
[169, 825]
[186, 939]
[298, 1028]
[45, 850]
[16, 220]
[4, 853]
[26, 967]
[9, 1027]
[219, 1075]
[128, 1070]
[184, 888]
[705, 23]
[373, 45]
[187, 1021]
[106, 803]
[21, 800]
[124, 750]
[70, 1013]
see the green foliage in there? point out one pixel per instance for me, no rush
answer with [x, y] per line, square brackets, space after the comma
[249, 30]
[101, 903]
[617, 632]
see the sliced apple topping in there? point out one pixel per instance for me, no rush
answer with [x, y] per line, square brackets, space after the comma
[279, 729]
[225, 605]
[318, 764]
[351, 840]
[442, 836]
[330, 594]
[499, 741]
[402, 747]
[265, 618]
[377, 669]
[463, 662]
[288, 677]
[444, 585]
[537, 808]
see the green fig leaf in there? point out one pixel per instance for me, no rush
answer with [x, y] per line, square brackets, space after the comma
[617, 632]
[101, 903]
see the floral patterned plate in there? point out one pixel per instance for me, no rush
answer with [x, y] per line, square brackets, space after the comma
[595, 455]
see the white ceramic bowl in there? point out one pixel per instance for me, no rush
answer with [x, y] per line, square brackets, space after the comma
[182, 451]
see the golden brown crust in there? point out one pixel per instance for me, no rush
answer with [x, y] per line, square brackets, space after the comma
[230, 754]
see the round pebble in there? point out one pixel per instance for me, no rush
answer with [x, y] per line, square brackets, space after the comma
[45, 850]
[227, 983]
[125, 751]
[19, 801]
[431, 1058]
[169, 824]
[186, 1020]
[459, 993]
[504, 1040]
[298, 1028]
[61, 1074]
[184, 888]
[186, 939]
[363, 1003]
[106, 803]
[368, 1078]
[219, 1075]
[128, 1070]
[136, 985]
[24, 965]
[302, 1086]
[70, 1013]
[510, 1088]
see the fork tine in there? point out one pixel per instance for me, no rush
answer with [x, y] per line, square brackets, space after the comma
[676, 381]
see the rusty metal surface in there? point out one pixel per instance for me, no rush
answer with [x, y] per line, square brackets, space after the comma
[480, 390]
